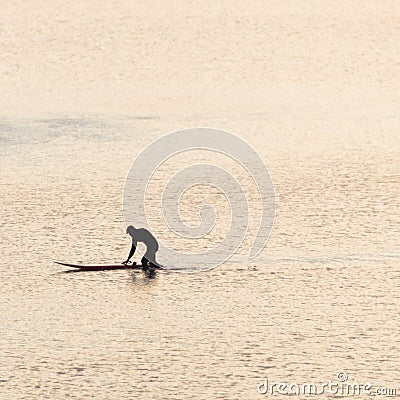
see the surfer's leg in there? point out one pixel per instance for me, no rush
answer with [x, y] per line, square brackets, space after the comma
[144, 261]
[149, 259]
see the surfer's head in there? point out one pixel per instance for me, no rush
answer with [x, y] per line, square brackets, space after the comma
[130, 229]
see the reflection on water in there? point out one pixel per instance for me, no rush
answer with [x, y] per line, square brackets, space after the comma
[322, 297]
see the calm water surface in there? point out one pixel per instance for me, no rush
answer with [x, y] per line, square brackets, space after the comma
[323, 296]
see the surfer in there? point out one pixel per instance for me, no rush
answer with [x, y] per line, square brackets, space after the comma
[144, 236]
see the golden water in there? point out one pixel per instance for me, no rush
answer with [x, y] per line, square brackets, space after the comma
[313, 88]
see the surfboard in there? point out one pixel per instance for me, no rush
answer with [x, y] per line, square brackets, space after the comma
[104, 267]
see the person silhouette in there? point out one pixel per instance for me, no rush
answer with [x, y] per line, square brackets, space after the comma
[144, 236]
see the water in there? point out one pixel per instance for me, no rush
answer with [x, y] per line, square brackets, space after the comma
[313, 87]
[321, 298]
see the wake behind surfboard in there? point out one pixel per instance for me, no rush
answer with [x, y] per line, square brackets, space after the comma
[105, 267]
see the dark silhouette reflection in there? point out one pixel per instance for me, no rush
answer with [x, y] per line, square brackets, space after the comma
[144, 236]
[150, 273]
[147, 277]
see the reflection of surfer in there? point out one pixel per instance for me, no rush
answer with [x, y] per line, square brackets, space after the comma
[144, 236]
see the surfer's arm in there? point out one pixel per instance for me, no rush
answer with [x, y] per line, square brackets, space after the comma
[132, 252]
